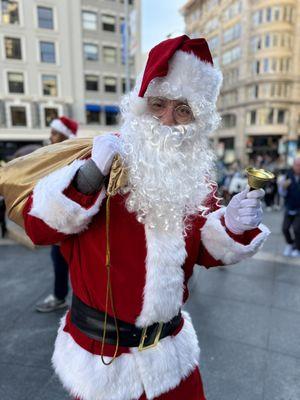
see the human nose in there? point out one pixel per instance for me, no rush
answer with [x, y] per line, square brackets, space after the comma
[168, 118]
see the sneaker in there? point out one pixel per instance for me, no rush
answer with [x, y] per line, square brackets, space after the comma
[51, 303]
[295, 253]
[287, 252]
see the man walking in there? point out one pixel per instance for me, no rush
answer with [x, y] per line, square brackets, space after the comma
[62, 129]
[290, 189]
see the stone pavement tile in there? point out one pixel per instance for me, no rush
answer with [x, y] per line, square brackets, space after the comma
[22, 285]
[231, 370]
[288, 273]
[285, 332]
[19, 383]
[220, 282]
[53, 390]
[283, 378]
[254, 268]
[287, 296]
[232, 320]
[30, 340]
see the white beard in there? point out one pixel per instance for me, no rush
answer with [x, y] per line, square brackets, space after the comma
[168, 169]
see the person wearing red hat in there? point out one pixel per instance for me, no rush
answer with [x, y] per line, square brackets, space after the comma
[131, 255]
[62, 128]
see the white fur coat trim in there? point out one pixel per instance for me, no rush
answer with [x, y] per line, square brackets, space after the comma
[222, 247]
[153, 371]
[57, 210]
[163, 292]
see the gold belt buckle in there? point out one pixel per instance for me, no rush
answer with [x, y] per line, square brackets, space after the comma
[144, 337]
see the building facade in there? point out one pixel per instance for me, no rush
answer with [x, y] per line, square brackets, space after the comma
[61, 57]
[256, 44]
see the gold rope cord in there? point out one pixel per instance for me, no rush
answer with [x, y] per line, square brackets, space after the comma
[109, 294]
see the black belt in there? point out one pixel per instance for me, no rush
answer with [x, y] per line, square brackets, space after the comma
[91, 322]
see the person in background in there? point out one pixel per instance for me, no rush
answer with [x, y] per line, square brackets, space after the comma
[2, 217]
[290, 190]
[270, 193]
[62, 129]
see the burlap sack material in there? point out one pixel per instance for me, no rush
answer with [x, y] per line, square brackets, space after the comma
[19, 176]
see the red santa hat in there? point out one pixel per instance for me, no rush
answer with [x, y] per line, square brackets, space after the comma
[66, 126]
[179, 68]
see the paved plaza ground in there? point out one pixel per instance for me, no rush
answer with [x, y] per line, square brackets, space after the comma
[247, 318]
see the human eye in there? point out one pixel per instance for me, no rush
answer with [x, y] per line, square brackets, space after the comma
[156, 104]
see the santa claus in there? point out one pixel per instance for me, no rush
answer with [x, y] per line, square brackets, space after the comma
[131, 255]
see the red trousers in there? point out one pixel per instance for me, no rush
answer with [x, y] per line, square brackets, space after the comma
[191, 388]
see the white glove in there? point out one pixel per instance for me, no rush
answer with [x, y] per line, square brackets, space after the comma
[104, 150]
[244, 211]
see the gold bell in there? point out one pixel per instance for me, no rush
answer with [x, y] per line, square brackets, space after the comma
[258, 178]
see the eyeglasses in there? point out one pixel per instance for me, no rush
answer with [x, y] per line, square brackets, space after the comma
[182, 113]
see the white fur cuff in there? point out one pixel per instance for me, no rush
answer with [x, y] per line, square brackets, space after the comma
[57, 210]
[222, 247]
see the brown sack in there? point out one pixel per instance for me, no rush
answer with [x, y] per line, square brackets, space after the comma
[19, 176]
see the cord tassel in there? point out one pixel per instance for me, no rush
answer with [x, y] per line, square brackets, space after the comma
[109, 293]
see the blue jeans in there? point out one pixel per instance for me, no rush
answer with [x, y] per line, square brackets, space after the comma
[61, 273]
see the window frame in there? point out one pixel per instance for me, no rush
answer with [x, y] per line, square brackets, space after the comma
[40, 41]
[104, 84]
[21, 47]
[89, 12]
[86, 75]
[20, 23]
[42, 85]
[7, 72]
[38, 20]
[98, 52]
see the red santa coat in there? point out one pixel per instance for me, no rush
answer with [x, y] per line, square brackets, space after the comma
[150, 269]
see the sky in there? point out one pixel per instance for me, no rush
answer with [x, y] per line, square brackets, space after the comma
[160, 18]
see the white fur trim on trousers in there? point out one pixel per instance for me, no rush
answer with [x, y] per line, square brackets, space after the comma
[222, 247]
[153, 371]
[57, 210]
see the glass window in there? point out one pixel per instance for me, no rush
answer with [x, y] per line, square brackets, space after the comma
[89, 20]
[92, 83]
[266, 65]
[49, 115]
[10, 12]
[281, 116]
[90, 52]
[276, 13]
[49, 84]
[124, 84]
[257, 66]
[18, 116]
[111, 118]
[270, 116]
[110, 55]
[108, 23]
[15, 82]
[269, 14]
[47, 52]
[229, 120]
[45, 17]
[253, 117]
[13, 48]
[267, 40]
[110, 85]
[92, 117]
